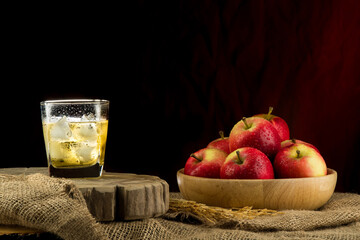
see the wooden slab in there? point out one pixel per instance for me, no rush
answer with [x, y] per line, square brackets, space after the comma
[117, 196]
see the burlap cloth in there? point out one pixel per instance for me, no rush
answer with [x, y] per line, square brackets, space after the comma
[57, 206]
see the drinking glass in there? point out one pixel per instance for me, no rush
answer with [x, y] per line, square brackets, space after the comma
[75, 132]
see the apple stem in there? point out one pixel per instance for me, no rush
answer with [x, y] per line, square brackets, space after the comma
[269, 113]
[298, 153]
[221, 133]
[246, 125]
[239, 158]
[194, 156]
[293, 140]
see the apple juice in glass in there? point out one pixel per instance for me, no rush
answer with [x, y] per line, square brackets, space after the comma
[75, 133]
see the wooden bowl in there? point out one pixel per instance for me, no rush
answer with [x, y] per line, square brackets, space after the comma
[288, 193]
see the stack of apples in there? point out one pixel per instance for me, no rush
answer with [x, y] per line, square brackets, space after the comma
[257, 148]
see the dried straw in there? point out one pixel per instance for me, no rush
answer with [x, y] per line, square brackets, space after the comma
[211, 215]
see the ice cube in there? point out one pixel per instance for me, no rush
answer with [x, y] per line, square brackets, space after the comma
[86, 131]
[63, 151]
[61, 130]
[88, 117]
[87, 152]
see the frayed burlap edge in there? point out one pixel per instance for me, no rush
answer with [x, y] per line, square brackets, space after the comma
[49, 204]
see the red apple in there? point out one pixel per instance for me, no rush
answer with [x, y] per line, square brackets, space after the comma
[257, 133]
[247, 163]
[205, 163]
[279, 124]
[299, 160]
[221, 143]
[291, 142]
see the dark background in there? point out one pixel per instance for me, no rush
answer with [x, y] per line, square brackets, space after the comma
[177, 72]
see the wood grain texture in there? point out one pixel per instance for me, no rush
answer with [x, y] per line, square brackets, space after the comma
[292, 193]
[117, 196]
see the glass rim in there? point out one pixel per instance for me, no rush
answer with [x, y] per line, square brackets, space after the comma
[75, 101]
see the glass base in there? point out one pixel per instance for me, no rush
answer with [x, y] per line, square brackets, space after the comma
[93, 171]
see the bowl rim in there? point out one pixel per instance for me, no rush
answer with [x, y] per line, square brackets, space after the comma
[330, 173]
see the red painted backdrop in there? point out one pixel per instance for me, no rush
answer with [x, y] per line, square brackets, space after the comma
[203, 65]
[177, 72]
